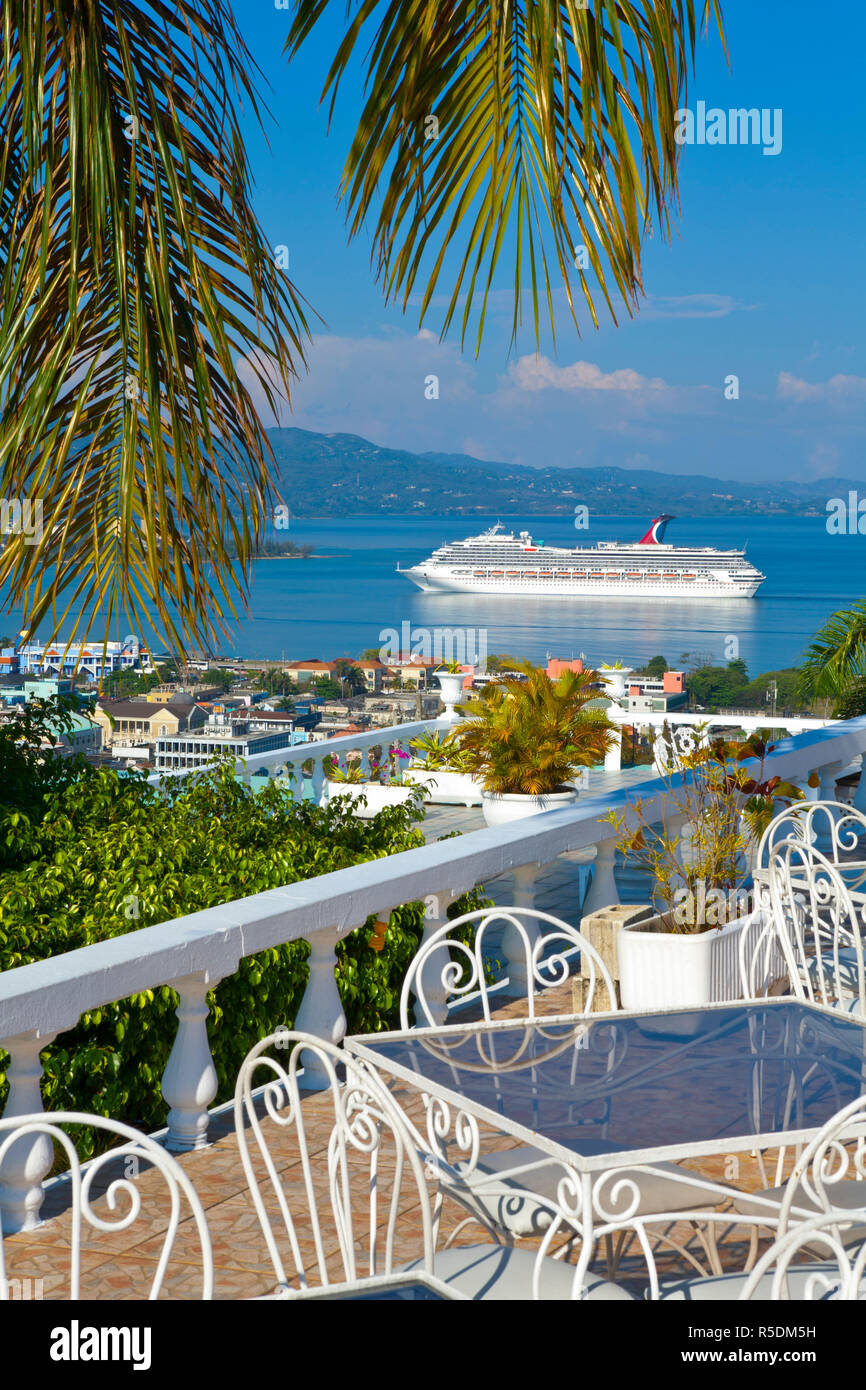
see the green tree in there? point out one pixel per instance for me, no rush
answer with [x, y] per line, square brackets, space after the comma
[90, 855]
[217, 676]
[717, 687]
[353, 682]
[656, 667]
[853, 703]
[327, 687]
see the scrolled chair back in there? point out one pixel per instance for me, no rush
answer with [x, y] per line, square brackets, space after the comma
[834, 828]
[448, 966]
[675, 745]
[836, 1156]
[818, 925]
[127, 1193]
[328, 1172]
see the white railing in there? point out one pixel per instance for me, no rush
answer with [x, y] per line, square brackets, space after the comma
[193, 953]
[708, 723]
[291, 760]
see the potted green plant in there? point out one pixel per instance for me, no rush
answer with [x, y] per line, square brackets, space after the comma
[699, 861]
[440, 765]
[372, 792]
[526, 738]
[450, 678]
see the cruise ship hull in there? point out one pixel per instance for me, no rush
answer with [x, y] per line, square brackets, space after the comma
[710, 590]
[496, 563]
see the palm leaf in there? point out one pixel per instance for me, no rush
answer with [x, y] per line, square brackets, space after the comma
[836, 657]
[133, 278]
[556, 130]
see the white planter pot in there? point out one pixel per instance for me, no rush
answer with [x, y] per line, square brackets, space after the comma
[451, 688]
[614, 679]
[378, 796]
[501, 807]
[673, 970]
[445, 788]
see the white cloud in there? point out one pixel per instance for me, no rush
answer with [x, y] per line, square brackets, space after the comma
[692, 306]
[540, 374]
[545, 413]
[838, 388]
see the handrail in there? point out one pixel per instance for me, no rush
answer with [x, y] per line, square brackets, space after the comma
[53, 993]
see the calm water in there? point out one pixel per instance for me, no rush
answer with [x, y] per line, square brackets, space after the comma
[337, 606]
[339, 603]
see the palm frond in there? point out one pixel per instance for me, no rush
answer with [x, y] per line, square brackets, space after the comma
[134, 276]
[836, 657]
[546, 127]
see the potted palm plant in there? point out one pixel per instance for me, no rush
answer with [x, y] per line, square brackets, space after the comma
[525, 739]
[698, 860]
[439, 765]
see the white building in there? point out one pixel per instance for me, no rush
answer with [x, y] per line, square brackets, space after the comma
[221, 736]
[94, 659]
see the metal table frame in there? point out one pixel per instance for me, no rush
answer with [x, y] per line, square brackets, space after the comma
[584, 1175]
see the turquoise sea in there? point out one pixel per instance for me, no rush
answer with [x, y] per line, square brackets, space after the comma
[340, 601]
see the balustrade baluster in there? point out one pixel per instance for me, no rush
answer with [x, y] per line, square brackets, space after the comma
[318, 780]
[519, 983]
[30, 1158]
[859, 801]
[189, 1082]
[603, 890]
[826, 792]
[321, 1012]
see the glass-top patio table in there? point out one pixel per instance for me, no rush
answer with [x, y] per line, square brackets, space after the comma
[617, 1091]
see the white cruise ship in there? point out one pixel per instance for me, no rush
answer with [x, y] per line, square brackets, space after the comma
[499, 562]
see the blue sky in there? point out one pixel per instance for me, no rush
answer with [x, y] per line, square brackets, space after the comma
[763, 279]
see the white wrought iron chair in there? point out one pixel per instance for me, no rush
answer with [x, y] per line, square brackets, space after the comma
[123, 1171]
[811, 947]
[820, 1224]
[357, 1206]
[814, 927]
[833, 828]
[676, 744]
[520, 1202]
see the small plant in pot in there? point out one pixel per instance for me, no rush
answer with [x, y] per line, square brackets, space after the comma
[688, 953]
[525, 740]
[382, 786]
[440, 765]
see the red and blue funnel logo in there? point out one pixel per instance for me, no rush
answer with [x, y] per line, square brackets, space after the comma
[656, 533]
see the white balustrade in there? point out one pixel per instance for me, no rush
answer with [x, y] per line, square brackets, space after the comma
[603, 891]
[189, 1082]
[321, 1012]
[39, 1000]
[293, 758]
[513, 948]
[30, 1158]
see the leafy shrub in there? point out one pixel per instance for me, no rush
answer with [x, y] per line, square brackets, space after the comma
[93, 855]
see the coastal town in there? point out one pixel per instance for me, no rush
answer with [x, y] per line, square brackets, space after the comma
[128, 717]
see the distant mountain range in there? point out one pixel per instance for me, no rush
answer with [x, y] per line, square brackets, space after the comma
[344, 475]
